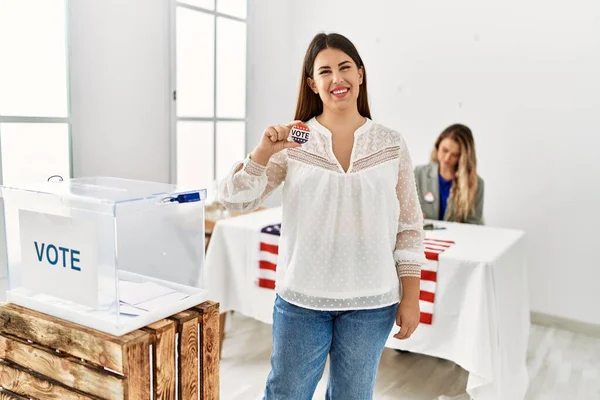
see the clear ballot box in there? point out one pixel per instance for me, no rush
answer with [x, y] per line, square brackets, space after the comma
[107, 253]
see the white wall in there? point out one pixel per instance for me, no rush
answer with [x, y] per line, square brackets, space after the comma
[522, 75]
[119, 78]
[272, 77]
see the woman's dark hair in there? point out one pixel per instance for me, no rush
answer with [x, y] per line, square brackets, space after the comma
[309, 103]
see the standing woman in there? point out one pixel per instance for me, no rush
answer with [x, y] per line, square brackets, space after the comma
[351, 245]
[449, 187]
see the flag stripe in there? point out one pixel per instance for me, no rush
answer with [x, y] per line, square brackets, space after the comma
[270, 257]
[266, 283]
[432, 246]
[434, 250]
[432, 256]
[426, 296]
[426, 306]
[429, 275]
[267, 274]
[435, 246]
[428, 286]
[269, 248]
[433, 240]
[426, 318]
[267, 265]
[429, 266]
[438, 240]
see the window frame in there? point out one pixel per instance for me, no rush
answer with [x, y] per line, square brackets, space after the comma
[173, 84]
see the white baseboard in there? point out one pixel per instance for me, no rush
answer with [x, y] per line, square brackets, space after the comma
[565, 323]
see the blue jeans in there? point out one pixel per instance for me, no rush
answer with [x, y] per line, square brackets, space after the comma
[303, 338]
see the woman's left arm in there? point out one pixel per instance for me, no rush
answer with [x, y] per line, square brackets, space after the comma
[477, 216]
[409, 252]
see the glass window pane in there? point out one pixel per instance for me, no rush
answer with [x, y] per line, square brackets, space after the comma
[33, 71]
[231, 68]
[235, 8]
[195, 154]
[231, 145]
[34, 151]
[195, 63]
[206, 4]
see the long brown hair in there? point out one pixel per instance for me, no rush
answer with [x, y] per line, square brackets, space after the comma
[309, 103]
[464, 186]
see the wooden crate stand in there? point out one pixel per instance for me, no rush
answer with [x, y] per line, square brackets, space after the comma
[43, 357]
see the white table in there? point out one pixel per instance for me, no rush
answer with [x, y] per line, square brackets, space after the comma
[481, 310]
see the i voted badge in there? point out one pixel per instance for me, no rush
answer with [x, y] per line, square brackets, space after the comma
[429, 198]
[300, 133]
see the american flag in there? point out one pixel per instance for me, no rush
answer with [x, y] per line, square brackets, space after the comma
[269, 249]
[433, 249]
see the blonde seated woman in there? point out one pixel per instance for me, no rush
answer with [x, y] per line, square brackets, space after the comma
[449, 188]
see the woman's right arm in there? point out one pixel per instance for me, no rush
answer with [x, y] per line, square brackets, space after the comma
[250, 182]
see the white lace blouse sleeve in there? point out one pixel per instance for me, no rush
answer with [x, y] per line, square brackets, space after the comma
[245, 188]
[409, 253]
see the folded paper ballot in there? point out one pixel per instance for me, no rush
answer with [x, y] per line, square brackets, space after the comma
[161, 301]
[126, 309]
[138, 298]
[138, 292]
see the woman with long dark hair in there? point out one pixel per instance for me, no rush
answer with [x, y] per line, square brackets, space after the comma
[351, 245]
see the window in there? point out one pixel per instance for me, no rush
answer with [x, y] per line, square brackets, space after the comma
[34, 106]
[209, 81]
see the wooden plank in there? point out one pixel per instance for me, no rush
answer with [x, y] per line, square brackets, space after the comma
[81, 342]
[62, 368]
[209, 350]
[136, 365]
[222, 322]
[25, 383]
[187, 362]
[163, 353]
[8, 395]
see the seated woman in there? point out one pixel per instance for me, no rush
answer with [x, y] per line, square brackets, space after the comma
[449, 187]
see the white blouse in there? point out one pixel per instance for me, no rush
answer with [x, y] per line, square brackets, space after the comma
[346, 237]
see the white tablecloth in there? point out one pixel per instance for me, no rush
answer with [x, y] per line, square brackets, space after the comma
[481, 310]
